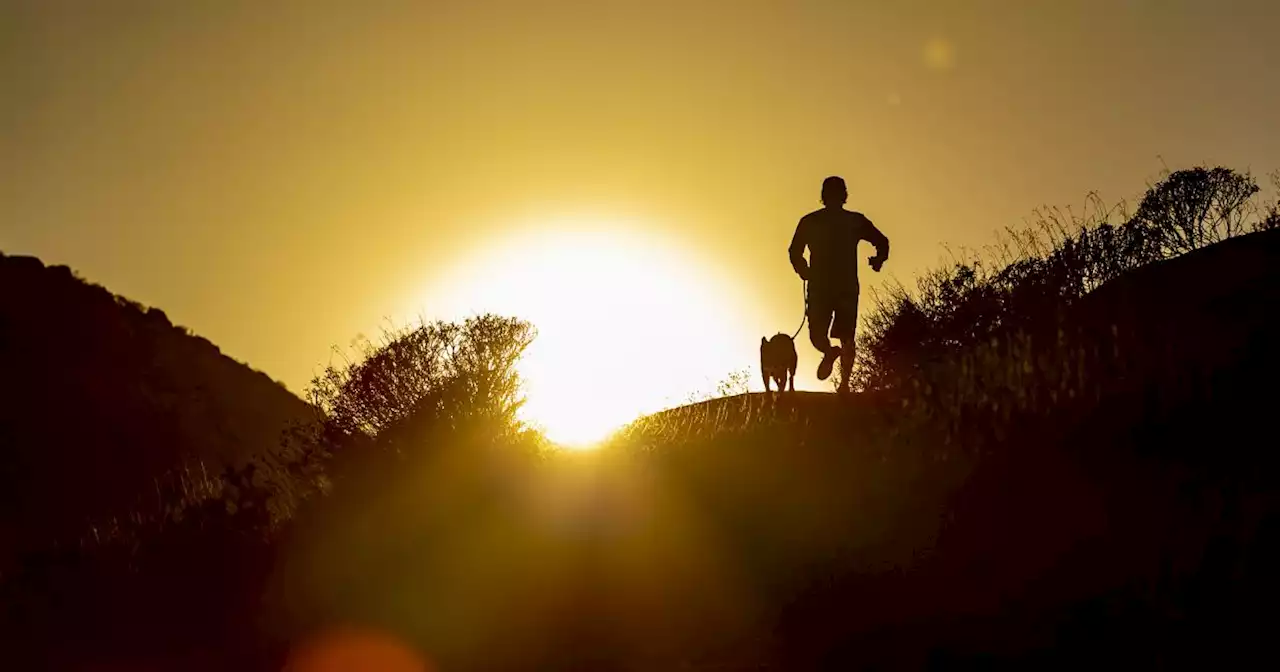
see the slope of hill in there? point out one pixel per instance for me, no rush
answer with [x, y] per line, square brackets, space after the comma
[738, 409]
[103, 395]
[1127, 512]
[1183, 322]
[1135, 513]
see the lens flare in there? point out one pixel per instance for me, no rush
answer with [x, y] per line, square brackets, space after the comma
[342, 649]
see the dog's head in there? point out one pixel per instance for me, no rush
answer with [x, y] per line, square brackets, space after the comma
[777, 353]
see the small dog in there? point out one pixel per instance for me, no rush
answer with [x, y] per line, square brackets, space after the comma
[778, 362]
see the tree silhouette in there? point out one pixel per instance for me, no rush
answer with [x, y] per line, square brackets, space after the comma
[1195, 207]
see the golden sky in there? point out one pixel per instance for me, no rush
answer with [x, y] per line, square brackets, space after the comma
[281, 176]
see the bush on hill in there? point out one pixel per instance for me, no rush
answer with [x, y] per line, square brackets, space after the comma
[1024, 284]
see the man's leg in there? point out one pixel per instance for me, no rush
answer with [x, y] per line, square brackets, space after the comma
[848, 352]
[820, 316]
[845, 327]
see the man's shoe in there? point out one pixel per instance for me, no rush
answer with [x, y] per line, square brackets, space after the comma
[828, 363]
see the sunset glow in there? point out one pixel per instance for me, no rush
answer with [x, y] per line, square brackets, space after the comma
[280, 177]
[626, 324]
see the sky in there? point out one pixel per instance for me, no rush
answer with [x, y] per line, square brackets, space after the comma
[281, 177]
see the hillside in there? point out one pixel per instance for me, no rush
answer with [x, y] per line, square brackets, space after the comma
[103, 395]
[1100, 490]
[740, 409]
[1182, 322]
[1127, 512]
[1134, 514]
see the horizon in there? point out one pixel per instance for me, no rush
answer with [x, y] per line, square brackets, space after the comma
[283, 180]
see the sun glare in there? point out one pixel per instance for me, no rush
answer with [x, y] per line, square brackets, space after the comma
[626, 325]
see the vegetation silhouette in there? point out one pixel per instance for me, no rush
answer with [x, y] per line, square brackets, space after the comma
[1060, 454]
[1024, 284]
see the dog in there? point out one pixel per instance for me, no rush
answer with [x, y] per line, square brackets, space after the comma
[778, 362]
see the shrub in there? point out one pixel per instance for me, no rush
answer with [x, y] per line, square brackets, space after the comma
[1026, 282]
[446, 371]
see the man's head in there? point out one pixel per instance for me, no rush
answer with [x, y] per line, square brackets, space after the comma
[834, 193]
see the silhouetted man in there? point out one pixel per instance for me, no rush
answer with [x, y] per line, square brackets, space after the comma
[832, 235]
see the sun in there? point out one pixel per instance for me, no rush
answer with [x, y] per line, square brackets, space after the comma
[627, 323]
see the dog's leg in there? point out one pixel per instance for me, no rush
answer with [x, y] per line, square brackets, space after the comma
[765, 374]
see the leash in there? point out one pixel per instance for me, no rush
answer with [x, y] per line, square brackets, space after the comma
[804, 287]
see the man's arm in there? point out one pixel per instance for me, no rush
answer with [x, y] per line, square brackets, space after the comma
[798, 242]
[881, 243]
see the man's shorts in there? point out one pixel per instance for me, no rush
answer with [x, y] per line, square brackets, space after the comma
[835, 313]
